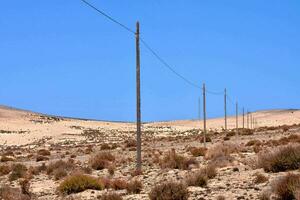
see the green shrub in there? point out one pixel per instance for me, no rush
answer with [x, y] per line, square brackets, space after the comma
[78, 183]
[169, 191]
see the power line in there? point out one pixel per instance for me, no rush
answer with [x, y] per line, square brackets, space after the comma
[155, 54]
[108, 17]
[214, 92]
[169, 66]
[145, 44]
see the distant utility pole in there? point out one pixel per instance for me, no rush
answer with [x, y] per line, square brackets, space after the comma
[236, 116]
[247, 119]
[225, 109]
[199, 108]
[138, 102]
[243, 118]
[251, 121]
[204, 115]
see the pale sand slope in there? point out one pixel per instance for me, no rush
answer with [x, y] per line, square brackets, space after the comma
[37, 128]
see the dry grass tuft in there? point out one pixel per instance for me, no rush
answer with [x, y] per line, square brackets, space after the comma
[287, 187]
[175, 161]
[110, 196]
[282, 159]
[260, 178]
[60, 168]
[9, 193]
[118, 184]
[134, 187]
[44, 152]
[4, 170]
[200, 151]
[5, 158]
[101, 160]
[18, 171]
[169, 191]
[219, 155]
[201, 177]
[78, 183]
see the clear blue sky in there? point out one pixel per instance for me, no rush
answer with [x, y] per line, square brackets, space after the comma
[61, 57]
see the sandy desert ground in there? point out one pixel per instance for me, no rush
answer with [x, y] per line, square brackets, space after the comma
[48, 157]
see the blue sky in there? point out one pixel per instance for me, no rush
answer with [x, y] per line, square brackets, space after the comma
[61, 57]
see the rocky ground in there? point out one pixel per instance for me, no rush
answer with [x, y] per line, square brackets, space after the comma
[231, 166]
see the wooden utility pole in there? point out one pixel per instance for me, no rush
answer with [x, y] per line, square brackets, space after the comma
[243, 118]
[204, 116]
[199, 108]
[138, 102]
[225, 109]
[236, 118]
[251, 121]
[247, 119]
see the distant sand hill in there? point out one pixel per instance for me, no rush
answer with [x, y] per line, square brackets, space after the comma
[18, 127]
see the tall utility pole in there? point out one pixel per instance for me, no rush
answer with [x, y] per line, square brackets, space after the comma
[243, 118]
[236, 118]
[138, 101]
[225, 109]
[204, 115]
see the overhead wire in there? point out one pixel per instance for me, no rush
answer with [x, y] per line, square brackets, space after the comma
[155, 54]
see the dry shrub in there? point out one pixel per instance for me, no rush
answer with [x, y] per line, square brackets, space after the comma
[245, 131]
[220, 154]
[134, 187]
[118, 184]
[287, 187]
[111, 169]
[110, 196]
[101, 160]
[78, 183]
[9, 193]
[59, 173]
[282, 159]
[220, 198]
[221, 149]
[265, 195]
[207, 138]
[260, 178]
[41, 158]
[198, 151]
[175, 161]
[169, 191]
[18, 171]
[59, 169]
[136, 172]
[44, 152]
[253, 142]
[5, 158]
[130, 143]
[201, 177]
[105, 146]
[4, 170]
[25, 185]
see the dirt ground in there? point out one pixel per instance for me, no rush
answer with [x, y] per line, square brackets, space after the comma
[53, 149]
